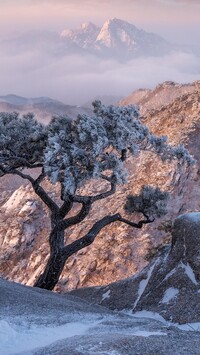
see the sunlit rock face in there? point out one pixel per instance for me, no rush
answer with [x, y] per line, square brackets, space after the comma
[169, 285]
[119, 251]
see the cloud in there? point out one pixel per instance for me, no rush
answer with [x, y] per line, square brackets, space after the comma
[76, 79]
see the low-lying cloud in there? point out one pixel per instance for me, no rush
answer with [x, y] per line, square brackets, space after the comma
[75, 79]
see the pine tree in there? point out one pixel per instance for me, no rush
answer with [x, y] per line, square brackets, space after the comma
[70, 152]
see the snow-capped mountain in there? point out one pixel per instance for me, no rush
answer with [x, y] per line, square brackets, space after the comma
[117, 37]
[84, 37]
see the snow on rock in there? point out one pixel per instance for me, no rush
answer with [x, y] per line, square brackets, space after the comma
[28, 208]
[143, 284]
[192, 216]
[189, 272]
[156, 316]
[15, 339]
[35, 321]
[169, 294]
[106, 295]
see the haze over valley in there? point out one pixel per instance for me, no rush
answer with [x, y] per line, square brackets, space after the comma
[75, 65]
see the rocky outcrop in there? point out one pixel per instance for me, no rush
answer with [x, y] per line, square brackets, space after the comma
[169, 285]
[36, 321]
[162, 95]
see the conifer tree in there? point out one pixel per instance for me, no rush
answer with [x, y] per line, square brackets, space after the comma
[70, 152]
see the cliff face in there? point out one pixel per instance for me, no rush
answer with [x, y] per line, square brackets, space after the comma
[169, 285]
[162, 95]
[119, 251]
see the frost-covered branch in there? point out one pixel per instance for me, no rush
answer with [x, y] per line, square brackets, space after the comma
[151, 202]
[17, 162]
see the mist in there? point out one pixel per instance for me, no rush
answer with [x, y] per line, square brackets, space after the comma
[75, 79]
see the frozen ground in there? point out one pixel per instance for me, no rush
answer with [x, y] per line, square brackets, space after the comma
[34, 321]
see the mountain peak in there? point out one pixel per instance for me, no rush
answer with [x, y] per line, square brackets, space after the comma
[117, 38]
[116, 33]
[88, 26]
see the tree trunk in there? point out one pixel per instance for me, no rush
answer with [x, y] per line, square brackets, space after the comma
[52, 272]
[56, 262]
[60, 253]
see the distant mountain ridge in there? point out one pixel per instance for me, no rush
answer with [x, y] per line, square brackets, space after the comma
[43, 107]
[20, 100]
[117, 37]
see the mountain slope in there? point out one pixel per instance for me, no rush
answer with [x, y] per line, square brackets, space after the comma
[162, 95]
[43, 107]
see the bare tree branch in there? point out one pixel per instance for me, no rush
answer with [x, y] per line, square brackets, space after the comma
[45, 197]
[17, 172]
[21, 161]
[66, 223]
[66, 207]
[136, 225]
[101, 196]
[88, 238]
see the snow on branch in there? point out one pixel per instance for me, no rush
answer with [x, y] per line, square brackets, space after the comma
[22, 141]
[87, 147]
[151, 202]
[72, 151]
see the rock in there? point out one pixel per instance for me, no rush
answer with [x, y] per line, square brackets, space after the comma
[40, 322]
[169, 285]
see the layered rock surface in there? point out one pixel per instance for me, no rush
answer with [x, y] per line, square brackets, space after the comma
[35, 321]
[119, 251]
[169, 285]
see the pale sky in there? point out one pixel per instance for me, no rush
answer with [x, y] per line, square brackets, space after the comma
[176, 20]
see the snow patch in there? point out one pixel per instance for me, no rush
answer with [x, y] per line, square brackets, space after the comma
[144, 333]
[150, 315]
[195, 327]
[106, 295]
[156, 316]
[170, 274]
[29, 207]
[189, 272]
[193, 216]
[143, 284]
[16, 339]
[169, 294]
